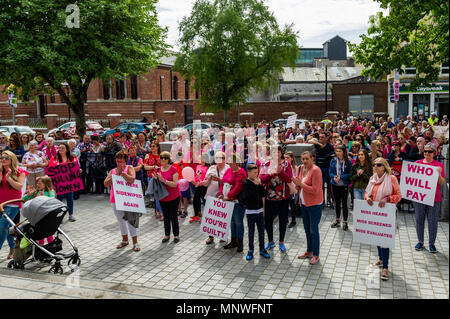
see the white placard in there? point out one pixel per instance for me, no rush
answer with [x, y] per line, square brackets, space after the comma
[418, 182]
[216, 218]
[374, 225]
[291, 121]
[128, 197]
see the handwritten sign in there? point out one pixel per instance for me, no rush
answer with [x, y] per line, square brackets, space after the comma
[374, 225]
[418, 182]
[216, 218]
[291, 121]
[128, 197]
[65, 177]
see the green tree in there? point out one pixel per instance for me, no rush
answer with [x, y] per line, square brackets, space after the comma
[413, 34]
[231, 46]
[42, 46]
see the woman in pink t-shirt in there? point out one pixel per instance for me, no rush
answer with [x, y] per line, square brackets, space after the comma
[129, 174]
[168, 175]
[423, 211]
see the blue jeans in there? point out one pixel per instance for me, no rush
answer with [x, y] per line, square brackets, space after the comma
[69, 199]
[258, 220]
[358, 193]
[383, 255]
[11, 212]
[237, 222]
[311, 218]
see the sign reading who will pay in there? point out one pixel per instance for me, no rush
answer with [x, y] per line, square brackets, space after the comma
[418, 182]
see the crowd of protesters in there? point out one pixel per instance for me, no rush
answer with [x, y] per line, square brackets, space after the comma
[352, 155]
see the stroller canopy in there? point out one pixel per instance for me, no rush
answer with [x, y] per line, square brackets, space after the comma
[36, 209]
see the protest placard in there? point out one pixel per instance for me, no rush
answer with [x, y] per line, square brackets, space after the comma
[128, 197]
[65, 177]
[216, 218]
[374, 225]
[418, 182]
[291, 121]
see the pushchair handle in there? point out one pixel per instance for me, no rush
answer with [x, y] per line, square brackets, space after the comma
[10, 202]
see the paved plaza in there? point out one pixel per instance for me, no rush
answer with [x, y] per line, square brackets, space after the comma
[192, 270]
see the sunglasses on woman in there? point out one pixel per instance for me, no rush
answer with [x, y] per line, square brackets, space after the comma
[4, 158]
[428, 151]
[164, 158]
[377, 165]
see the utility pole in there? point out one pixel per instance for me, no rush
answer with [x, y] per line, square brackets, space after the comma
[326, 89]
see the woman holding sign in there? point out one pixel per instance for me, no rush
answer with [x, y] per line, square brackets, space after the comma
[168, 175]
[65, 156]
[12, 178]
[423, 211]
[129, 174]
[383, 187]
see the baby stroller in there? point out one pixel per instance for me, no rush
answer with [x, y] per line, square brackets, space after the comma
[44, 215]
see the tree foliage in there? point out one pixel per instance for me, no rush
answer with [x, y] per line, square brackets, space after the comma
[414, 34]
[231, 46]
[39, 52]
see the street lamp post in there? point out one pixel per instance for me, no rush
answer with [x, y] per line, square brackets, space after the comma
[326, 89]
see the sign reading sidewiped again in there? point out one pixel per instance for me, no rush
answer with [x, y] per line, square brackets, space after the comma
[128, 197]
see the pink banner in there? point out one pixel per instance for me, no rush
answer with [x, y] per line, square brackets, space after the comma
[65, 177]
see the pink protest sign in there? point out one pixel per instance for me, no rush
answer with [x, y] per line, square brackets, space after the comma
[65, 177]
[418, 182]
[216, 218]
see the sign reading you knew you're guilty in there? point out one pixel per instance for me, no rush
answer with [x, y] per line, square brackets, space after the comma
[128, 197]
[216, 218]
[65, 177]
[374, 225]
[418, 182]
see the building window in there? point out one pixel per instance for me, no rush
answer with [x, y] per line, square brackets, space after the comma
[52, 98]
[134, 89]
[421, 106]
[196, 94]
[175, 88]
[361, 105]
[410, 71]
[186, 90]
[106, 95]
[444, 68]
[441, 104]
[120, 89]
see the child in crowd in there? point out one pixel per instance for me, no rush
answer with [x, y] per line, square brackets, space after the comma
[251, 198]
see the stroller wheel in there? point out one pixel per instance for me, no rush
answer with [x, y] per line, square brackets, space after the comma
[74, 263]
[10, 264]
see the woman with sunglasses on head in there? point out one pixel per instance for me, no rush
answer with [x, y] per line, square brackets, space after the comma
[168, 175]
[16, 147]
[383, 188]
[39, 137]
[423, 211]
[151, 164]
[12, 178]
[64, 155]
[128, 221]
[339, 171]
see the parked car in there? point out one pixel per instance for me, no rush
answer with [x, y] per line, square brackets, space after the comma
[173, 134]
[284, 121]
[135, 127]
[68, 130]
[17, 128]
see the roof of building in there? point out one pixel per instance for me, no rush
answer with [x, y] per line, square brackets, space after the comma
[311, 74]
[334, 38]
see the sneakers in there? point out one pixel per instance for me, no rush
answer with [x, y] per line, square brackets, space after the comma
[419, 247]
[292, 224]
[305, 255]
[249, 255]
[345, 226]
[282, 248]
[269, 245]
[194, 219]
[71, 218]
[314, 260]
[384, 275]
[264, 253]
[433, 249]
[337, 223]
[183, 215]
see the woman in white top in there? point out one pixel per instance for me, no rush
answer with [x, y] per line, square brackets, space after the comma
[34, 161]
[213, 178]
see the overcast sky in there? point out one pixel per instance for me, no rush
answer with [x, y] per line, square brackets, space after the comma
[316, 20]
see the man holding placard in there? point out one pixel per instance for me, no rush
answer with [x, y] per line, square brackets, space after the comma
[429, 209]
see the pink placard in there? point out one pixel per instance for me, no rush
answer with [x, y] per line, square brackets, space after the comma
[65, 177]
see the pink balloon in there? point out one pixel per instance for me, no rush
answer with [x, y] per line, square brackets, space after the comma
[184, 184]
[188, 174]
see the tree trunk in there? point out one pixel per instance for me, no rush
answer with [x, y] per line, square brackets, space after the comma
[78, 109]
[225, 112]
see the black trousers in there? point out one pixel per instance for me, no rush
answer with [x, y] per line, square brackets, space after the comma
[274, 208]
[198, 198]
[258, 220]
[340, 195]
[170, 209]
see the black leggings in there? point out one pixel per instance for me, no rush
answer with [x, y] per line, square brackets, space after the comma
[170, 209]
[340, 195]
[274, 208]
